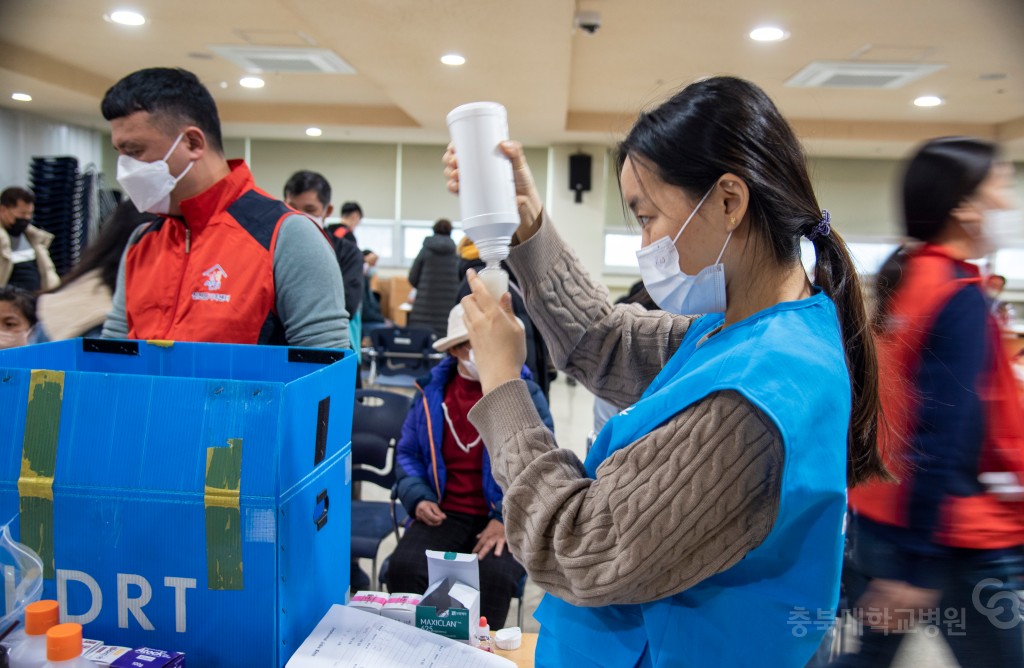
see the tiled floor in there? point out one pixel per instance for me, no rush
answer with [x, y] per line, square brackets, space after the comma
[572, 409]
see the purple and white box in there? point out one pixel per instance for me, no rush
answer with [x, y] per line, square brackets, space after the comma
[144, 657]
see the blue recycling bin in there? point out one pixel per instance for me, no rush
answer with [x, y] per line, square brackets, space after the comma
[185, 496]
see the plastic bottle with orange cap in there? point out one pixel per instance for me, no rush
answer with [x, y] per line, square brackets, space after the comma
[40, 617]
[64, 647]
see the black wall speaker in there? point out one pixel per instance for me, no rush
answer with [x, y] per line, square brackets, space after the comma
[579, 174]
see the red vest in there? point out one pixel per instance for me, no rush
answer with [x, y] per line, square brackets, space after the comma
[980, 522]
[209, 275]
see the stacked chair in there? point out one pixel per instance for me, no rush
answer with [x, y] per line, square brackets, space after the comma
[61, 207]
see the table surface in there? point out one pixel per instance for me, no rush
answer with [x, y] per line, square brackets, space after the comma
[523, 657]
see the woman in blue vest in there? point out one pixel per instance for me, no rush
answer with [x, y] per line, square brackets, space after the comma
[706, 526]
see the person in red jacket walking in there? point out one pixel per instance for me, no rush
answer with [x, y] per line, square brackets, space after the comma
[226, 262]
[943, 546]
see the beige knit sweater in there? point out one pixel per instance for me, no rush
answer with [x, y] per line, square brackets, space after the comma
[685, 502]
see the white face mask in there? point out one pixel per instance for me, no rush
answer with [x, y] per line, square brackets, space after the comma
[674, 290]
[468, 368]
[999, 228]
[149, 184]
[12, 339]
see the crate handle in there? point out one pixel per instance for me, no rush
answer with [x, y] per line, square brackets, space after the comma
[323, 418]
[314, 356]
[110, 346]
[323, 502]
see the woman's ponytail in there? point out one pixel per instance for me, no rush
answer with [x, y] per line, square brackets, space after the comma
[836, 274]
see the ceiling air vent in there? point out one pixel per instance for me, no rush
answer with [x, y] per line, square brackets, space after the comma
[860, 75]
[288, 60]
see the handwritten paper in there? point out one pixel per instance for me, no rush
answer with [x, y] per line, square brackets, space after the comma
[350, 638]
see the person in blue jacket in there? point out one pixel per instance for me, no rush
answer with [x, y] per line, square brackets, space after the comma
[705, 527]
[445, 480]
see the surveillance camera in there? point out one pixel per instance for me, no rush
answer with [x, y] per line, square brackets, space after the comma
[588, 20]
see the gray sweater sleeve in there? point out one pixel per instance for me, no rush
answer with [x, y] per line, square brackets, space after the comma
[310, 291]
[116, 325]
[616, 351]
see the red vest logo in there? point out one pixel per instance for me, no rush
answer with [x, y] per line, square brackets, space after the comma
[215, 276]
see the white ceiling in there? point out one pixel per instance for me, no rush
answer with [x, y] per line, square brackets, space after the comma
[560, 85]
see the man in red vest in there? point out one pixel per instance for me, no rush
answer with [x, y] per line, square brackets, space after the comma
[226, 262]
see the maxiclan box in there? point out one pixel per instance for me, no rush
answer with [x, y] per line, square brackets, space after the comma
[191, 497]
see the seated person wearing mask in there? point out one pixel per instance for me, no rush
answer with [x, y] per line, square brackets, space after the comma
[445, 481]
[24, 248]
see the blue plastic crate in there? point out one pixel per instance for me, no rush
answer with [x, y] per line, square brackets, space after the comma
[192, 497]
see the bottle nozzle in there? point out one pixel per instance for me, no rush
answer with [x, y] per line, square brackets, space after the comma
[493, 250]
[495, 278]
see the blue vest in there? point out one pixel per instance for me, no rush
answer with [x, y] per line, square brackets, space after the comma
[787, 360]
[355, 334]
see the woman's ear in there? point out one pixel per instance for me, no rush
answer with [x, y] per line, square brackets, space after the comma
[965, 213]
[734, 200]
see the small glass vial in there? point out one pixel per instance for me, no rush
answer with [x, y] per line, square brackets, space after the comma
[483, 636]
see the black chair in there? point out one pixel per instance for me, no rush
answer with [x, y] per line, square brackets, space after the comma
[400, 355]
[376, 427]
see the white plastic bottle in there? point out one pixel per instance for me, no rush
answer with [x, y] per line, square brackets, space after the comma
[487, 191]
[64, 647]
[40, 617]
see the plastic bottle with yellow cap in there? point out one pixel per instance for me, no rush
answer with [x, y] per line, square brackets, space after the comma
[64, 647]
[40, 617]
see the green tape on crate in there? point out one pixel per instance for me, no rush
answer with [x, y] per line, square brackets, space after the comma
[223, 516]
[38, 463]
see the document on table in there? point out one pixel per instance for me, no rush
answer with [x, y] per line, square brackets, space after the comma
[352, 638]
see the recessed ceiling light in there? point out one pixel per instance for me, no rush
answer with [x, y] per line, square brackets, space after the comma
[21, 97]
[251, 82]
[453, 59]
[768, 34]
[126, 17]
[928, 101]
[314, 132]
